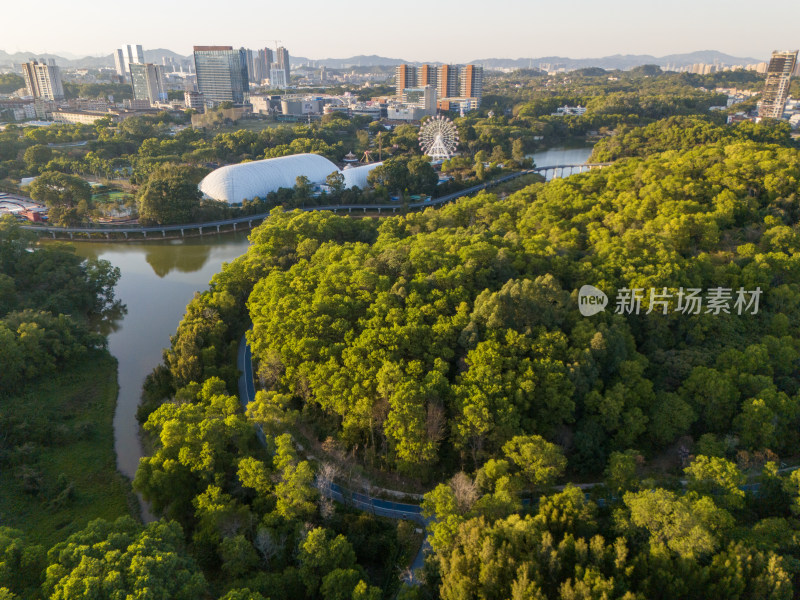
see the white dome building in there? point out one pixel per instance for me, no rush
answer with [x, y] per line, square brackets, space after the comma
[236, 183]
[357, 176]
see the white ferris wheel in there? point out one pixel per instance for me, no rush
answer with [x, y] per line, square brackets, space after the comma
[438, 138]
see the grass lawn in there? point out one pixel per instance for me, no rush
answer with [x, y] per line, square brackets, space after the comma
[71, 417]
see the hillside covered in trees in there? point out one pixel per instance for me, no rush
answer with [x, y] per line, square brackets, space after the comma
[447, 346]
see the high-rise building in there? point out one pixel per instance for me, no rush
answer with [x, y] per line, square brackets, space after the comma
[471, 82]
[126, 56]
[776, 88]
[405, 76]
[119, 62]
[259, 63]
[448, 80]
[426, 75]
[43, 80]
[282, 60]
[222, 74]
[148, 82]
[267, 58]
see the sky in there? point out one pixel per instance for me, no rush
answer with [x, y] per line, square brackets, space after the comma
[416, 30]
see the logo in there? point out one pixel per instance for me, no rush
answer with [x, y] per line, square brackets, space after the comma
[591, 300]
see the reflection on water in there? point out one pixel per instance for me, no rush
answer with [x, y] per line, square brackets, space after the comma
[110, 320]
[184, 257]
[158, 281]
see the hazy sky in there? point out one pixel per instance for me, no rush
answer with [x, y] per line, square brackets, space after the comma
[457, 31]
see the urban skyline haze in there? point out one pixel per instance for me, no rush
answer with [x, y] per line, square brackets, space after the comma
[414, 30]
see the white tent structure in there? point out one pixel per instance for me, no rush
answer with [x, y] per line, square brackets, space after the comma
[236, 183]
[357, 176]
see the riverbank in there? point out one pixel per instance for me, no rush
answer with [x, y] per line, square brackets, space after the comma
[65, 475]
[158, 280]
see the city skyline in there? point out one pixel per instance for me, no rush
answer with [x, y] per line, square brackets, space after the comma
[511, 29]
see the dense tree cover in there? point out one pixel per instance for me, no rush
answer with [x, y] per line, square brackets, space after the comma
[458, 325]
[641, 542]
[46, 296]
[451, 341]
[523, 103]
[255, 520]
[119, 559]
[685, 133]
[252, 519]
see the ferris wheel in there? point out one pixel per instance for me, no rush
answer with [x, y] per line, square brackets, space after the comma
[438, 138]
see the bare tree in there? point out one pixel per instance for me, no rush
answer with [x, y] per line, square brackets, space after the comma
[465, 491]
[326, 475]
[268, 544]
[435, 422]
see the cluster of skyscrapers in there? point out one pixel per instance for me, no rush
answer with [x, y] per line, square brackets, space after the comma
[452, 84]
[147, 79]
[776, 88]
[224, 74]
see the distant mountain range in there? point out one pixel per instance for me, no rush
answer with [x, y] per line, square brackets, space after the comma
[617, 61]
[88, 62]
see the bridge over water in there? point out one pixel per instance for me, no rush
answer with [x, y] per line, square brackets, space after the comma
[247, 221]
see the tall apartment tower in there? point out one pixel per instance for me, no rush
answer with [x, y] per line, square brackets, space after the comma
[448, 81]
[259, 64]
[405, 76]
[471, 82]
[119, 62]
[126, 56]
[426, 75]
[148, 83]
[222, 74]
[776, 89]
[43, 80]
[267, 58]
[282, 59]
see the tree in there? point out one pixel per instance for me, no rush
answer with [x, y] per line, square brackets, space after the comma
[336, 182]
[567, 513]
[295, 492]
[68, 197]
[717, 476]
[690, 527]
[37, 156]
[321, 554]
[302, 189]
[21, 564]
[122, 560]
[540, 461]
[621, 473]
[169, 195]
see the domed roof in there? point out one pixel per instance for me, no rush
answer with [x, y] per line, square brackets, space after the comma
[245, 181]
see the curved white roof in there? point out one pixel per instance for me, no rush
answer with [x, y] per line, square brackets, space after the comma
[245, 181]
[357, 176]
